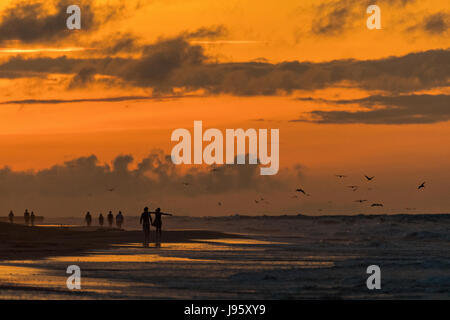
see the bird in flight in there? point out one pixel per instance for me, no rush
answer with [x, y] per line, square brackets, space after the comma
[186, 183]
[354, 188]
[376, 205]
[110, 189]
[340, 175]
[421, 186]
[302, 191]
[369, 178]
[361, 200]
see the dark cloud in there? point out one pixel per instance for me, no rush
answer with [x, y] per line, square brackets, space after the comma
[437, 23]
[45, 21]
[336, 17]
[81, 183]
[332, 19]
[207, 33]
[107, 99]
[175, 63]
[31, 22]
[117, 43]
[403, 109]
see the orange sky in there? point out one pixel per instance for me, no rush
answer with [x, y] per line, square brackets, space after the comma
[36, 136]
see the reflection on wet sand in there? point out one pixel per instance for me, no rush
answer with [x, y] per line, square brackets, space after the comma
[176, 270]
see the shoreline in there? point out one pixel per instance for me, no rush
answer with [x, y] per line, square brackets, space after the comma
[19, 242]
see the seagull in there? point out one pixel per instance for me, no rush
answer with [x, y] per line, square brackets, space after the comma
[421, 186]
[110, 189]
[360, 201]
[376, 205]
[354, 188]
[302, 191]
[369, 178]
[340, 176]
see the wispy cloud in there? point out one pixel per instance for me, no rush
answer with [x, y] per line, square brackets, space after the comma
[402, 109]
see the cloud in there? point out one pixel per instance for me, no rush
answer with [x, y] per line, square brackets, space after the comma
[437, 23]
[337, 17]
[332, 19]
[174, 63]
[403, 109]
[45, 21]
[31, 22]
[83, 182]
[106, 99]
[207, 33]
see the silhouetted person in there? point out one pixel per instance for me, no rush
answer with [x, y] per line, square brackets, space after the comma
[119, 220]
[157, 223]
[110, 219]
[146, 221]
[32, 217]
[11, 217]
[88, 219]
[100, 220]
[26, 217]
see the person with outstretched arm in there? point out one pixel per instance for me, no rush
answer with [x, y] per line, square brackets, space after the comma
[157, 223]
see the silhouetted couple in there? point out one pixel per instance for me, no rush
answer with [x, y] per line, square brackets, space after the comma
[28, 217]
[146, 221]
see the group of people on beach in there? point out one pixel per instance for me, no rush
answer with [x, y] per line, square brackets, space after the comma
[146, 221]
[28, 218]
[101, 220]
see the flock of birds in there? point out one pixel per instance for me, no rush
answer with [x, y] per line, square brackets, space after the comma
[302, 191]
[355, 188]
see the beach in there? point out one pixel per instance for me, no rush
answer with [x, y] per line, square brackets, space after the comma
[20, 242]
[234, 257]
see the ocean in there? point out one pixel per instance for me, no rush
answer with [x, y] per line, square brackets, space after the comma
[283, 257]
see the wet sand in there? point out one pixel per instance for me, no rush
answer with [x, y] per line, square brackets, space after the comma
[19, 242]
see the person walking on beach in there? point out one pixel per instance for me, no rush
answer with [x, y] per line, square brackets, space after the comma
[110, 219]
[100, 220]
[26, 217]
[88, 219]
[11, 217]
[119, 220]
[146, 220]
[157, 223]
[32, 217]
